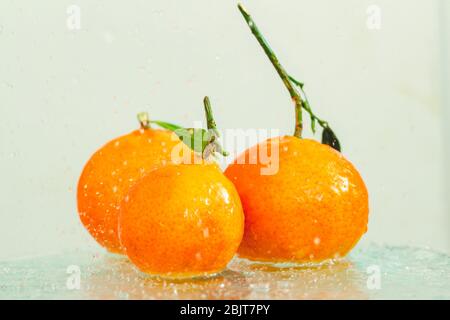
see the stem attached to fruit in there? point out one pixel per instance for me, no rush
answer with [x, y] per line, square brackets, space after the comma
[299, 97]
[295, 95]
[307, 106]
[213, 144]
[144, 120]
[199, 140]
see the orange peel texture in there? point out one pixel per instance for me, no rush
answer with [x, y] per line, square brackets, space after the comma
[109, 174]
[182, 221]
[314, 208]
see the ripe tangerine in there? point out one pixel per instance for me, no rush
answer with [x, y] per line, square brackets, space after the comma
[314, 208]
[182, 221]
[109, 174]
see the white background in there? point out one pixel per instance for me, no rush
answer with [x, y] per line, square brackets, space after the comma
[64, 93]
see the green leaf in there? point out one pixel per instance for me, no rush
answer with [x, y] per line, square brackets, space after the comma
[195, 138]
[166, 125]
[330, 138]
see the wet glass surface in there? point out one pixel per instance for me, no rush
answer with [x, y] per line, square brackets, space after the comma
[373, 272]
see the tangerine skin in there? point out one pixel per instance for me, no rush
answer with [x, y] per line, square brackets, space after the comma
[314, 208]
[182, 221]
[109, 174]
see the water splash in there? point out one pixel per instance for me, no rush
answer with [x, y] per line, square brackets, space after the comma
[405, 273]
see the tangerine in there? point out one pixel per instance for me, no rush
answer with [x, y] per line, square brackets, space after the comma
[182, 221]
[314, 208]
[109, 174]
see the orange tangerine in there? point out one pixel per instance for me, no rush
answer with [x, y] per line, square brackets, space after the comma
[109, 174]
[314, 208]
[182, 221]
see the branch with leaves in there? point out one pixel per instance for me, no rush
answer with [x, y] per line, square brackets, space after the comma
[294, 87]
[205, 142]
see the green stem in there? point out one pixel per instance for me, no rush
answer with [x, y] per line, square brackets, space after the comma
[298, 83]
[213, 133]
[298, 101]
[307, 106]
[199, 140]
[210, 123]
